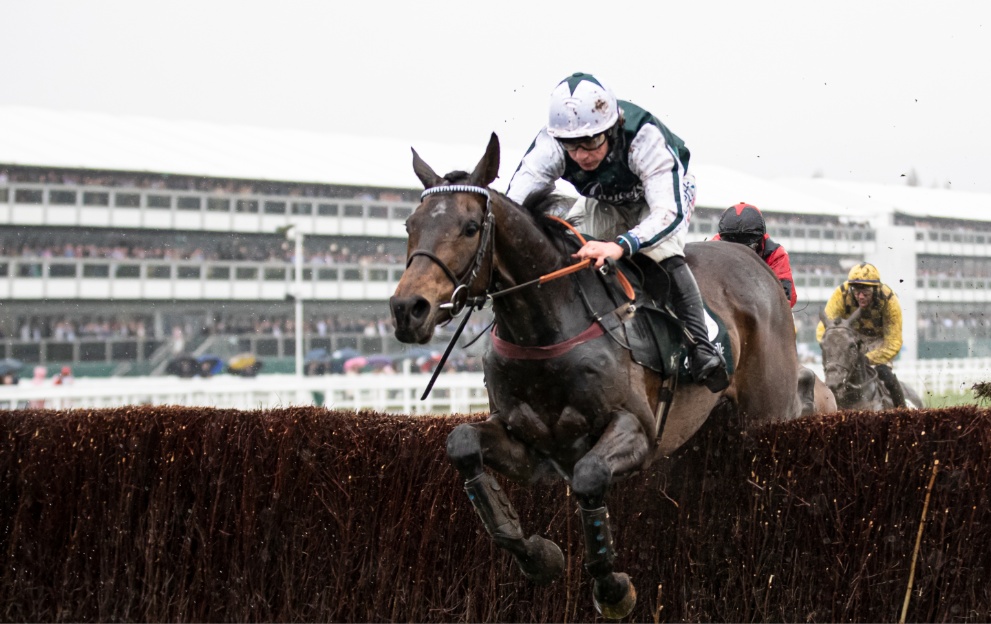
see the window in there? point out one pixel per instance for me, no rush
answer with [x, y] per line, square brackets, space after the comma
[159, 271]
[218, 204]
[4, 269]
[127, 271]
[302, 208]
[188, 272]
[29, 269]
[127, 200]
[188, 203]
[378, 212]
[329, 275]
[273, 274]
[62, 270]
[352, 275]
[159, 201]
[62, 198]
[218, 273]
[402, 212]
[354, 210]
[247, 205]
[275, 207]
[96, 270]
[397, 274]
[4, 195]
[246, 273]
[95, 198]
[27, 196]
[327, 210]
[378, 275]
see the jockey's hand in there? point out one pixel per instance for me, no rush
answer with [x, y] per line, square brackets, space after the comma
[599, 251]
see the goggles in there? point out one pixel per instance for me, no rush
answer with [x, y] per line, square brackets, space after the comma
[588, 144]
[752, 241]
[861, 288]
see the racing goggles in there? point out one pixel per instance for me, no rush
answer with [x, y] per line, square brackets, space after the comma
[752, 241]
[588, 144]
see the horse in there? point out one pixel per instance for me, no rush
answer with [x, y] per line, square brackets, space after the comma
[816, 396]
[849, 374]
[566, 397]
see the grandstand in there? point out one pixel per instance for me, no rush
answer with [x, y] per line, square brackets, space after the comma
[124, 240]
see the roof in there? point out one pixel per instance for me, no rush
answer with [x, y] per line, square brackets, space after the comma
[77, 140]
[886, 199]
[97, 141]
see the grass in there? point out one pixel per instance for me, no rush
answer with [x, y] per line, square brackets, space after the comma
[951, 399]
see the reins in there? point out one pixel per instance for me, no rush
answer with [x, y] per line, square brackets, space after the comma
[461, 297]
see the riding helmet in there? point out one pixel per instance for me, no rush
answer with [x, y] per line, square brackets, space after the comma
[864, 273]
[744, 224]
[581, 106]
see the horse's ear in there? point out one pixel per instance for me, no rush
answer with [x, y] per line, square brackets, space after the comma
[487, 169]
[424, 172]
[853, 317]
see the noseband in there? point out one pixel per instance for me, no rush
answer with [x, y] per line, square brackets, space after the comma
[460, 297]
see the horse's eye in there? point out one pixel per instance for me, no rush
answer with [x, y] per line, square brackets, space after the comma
[471, 228]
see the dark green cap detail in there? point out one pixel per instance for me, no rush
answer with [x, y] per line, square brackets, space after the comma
[576, 78]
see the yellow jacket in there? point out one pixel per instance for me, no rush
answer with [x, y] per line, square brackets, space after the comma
[880, 324]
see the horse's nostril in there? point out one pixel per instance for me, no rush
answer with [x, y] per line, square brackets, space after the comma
[420, 308]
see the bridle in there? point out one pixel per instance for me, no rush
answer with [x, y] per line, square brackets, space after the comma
[461, 298]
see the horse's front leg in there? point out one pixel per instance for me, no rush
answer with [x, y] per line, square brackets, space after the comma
[470, 447]
[622, 449]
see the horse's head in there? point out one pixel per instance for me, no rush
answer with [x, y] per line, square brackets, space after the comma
[842, 348]
[446, 256]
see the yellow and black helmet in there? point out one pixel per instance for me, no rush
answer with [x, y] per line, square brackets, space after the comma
[864, 273]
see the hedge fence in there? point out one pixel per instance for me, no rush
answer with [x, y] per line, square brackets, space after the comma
[175, 514]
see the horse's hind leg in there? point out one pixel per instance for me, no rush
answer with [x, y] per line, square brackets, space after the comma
[468, 446]
[622, 449]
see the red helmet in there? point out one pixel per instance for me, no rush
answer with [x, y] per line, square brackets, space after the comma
[744, 224]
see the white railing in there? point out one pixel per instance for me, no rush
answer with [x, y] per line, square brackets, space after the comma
[454, 393]
[938, 377]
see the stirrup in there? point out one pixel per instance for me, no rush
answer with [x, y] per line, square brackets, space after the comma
[715, 379]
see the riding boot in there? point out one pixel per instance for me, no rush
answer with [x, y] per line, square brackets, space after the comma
[707, 364]
[891, 382]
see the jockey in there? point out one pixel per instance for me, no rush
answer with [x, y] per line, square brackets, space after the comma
[744, 224]
[880, 323]
[638, 195]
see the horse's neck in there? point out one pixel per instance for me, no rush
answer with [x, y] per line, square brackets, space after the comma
[535, 314]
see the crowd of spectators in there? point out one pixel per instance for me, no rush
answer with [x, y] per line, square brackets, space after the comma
[61, 328]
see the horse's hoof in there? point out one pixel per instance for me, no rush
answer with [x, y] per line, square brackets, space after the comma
[615, 600]
[543, 562]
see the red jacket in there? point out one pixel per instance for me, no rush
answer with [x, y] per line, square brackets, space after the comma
[777, 258]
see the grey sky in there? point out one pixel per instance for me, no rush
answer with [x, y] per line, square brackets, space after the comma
[860, 91]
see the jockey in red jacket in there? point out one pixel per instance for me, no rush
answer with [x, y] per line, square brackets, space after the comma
[744, 224]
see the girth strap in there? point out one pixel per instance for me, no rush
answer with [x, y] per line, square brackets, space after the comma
[516, 352]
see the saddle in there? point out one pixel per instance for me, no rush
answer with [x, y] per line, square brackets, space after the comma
[655, 335]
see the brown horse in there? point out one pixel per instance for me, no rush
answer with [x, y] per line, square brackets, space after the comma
[566, 396]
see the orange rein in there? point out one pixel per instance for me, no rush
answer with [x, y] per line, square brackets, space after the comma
[625, 283]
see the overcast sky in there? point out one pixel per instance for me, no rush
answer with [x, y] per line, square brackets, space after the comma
[864, 91]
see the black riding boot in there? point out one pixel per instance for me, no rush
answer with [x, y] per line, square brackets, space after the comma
[708, 365]
[891, 382]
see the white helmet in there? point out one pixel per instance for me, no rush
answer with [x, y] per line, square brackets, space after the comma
[581, 106]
